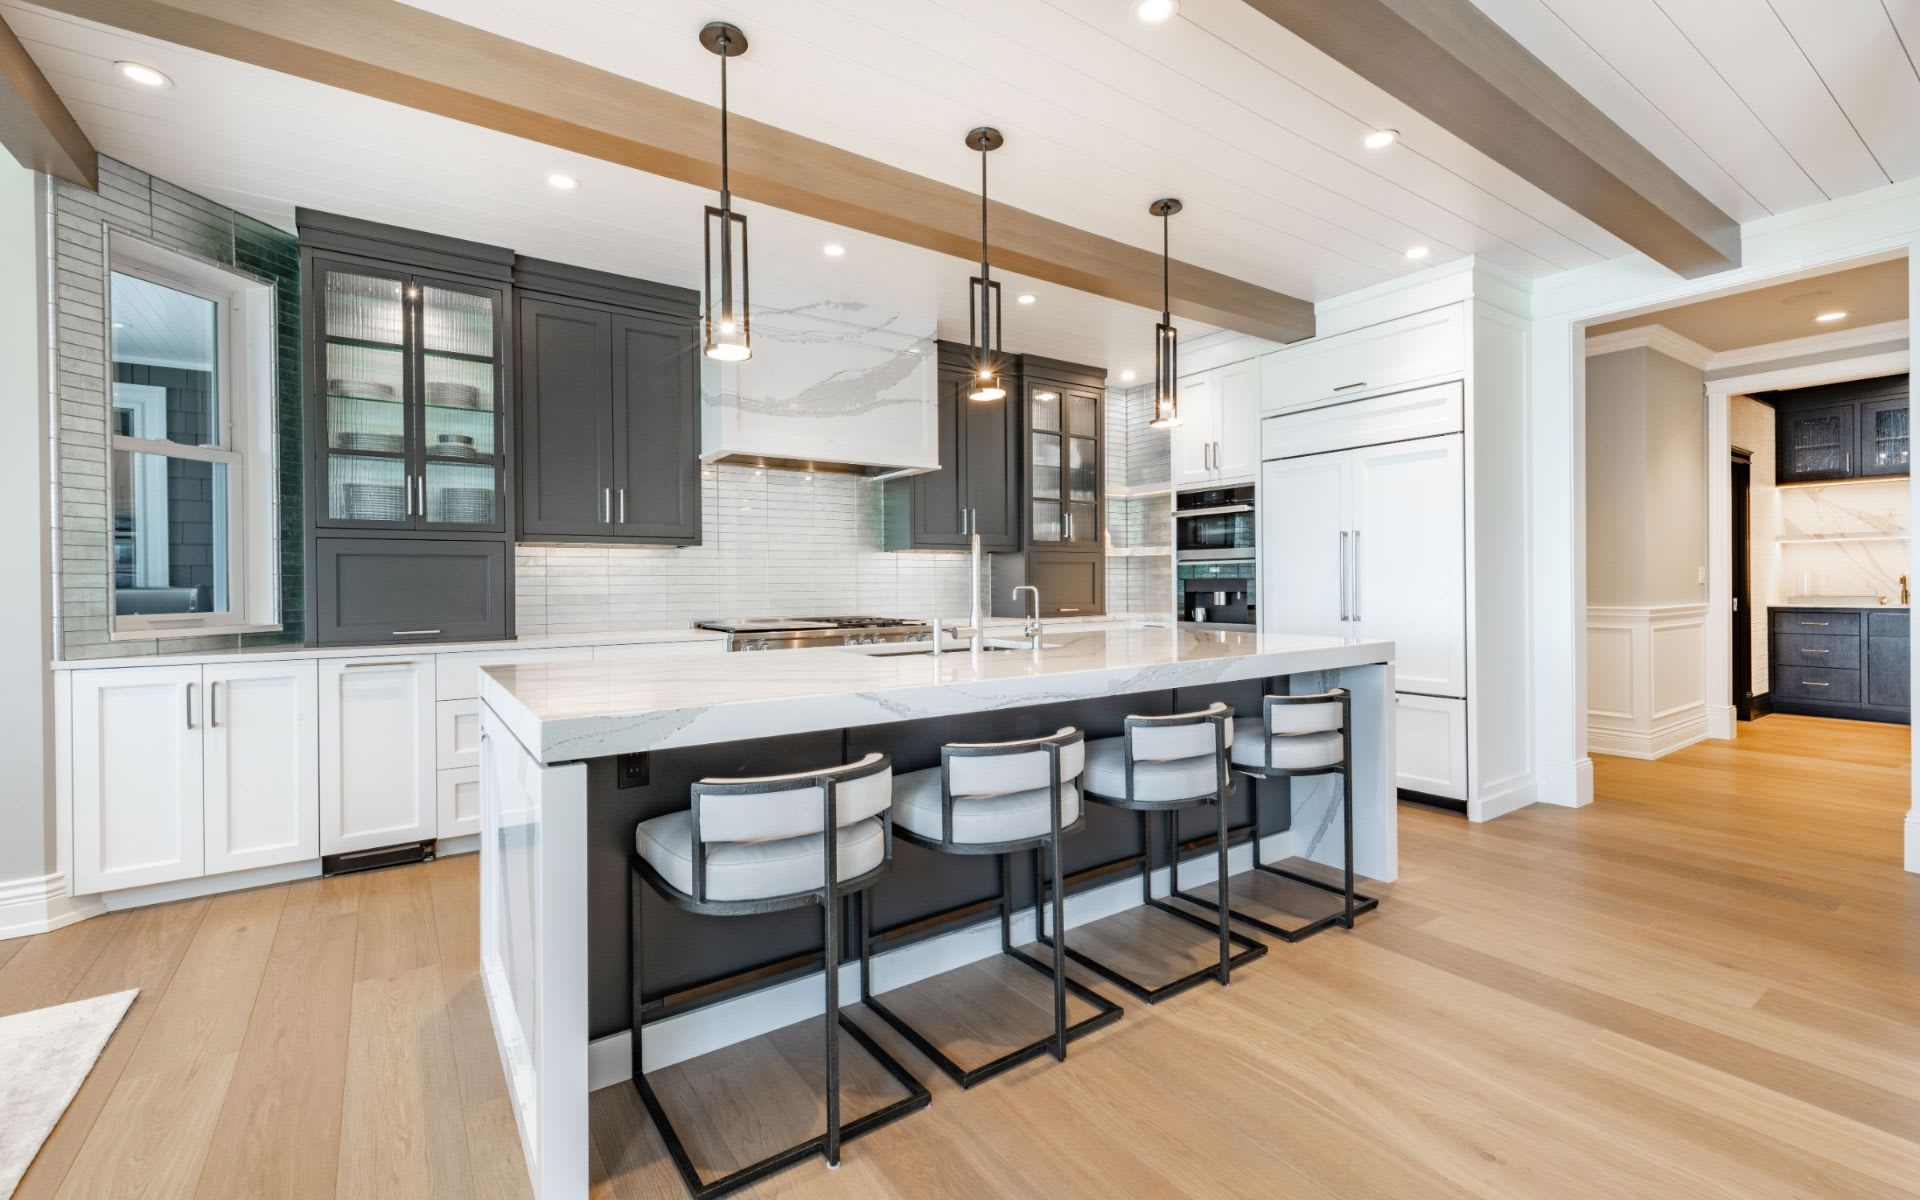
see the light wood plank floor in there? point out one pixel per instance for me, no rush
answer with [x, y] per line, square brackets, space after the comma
[1706, 985]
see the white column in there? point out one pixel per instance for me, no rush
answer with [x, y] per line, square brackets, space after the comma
[1718, 649]
[31, 888]
[1913, 664]
[1557, 409]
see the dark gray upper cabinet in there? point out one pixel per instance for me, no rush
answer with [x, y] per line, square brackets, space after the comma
[609, 408]
[978, 483]
[1065, 447]
[1847, 430]
[409, 433]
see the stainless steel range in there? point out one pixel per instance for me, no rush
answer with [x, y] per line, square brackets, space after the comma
[798, 633]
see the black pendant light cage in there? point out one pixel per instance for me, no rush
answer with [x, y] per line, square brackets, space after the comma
[1166, 339]
[726, 318]
[983, 292]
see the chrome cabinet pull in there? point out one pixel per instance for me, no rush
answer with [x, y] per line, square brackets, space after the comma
[409, 490]
[213, 705]
[606, 506]
[1063, 608]
[623, 506]
[414, 632]
[1347, 387]
[1815, 683]
[1356, 574]
[1343, 574]
[1818, 624]
[190, 724]
[381, 663]
[1811, 650]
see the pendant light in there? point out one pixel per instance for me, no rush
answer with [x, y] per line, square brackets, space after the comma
[1166, 339]
[725, 320]
[983, 296]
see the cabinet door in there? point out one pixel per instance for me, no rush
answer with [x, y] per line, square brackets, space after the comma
[1083, 469]
[1071, 583]
[1889, 678]
[262, 765]
[1817, 443]
[1883, 437]
[459, 801]
[992, 469]
[136, 777]
[566, 419]
[360, 375]
[937, 500]
[1303, 543]
[1199, 427]
[1409, 577]
[1236, 450]
[377, 783]
[374, 590]
[656, 417]
[459, 408]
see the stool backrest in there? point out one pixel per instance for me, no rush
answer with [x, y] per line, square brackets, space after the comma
[1180, 735]
[997, 768]
[760, 807]
[1321, 712]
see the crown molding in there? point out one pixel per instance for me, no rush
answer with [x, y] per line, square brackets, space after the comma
[1819, 343]
[1657, 338]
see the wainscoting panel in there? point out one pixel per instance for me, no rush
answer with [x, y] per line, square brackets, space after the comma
[1646, 686]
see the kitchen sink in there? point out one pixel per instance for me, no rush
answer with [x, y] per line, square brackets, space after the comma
[901, 651]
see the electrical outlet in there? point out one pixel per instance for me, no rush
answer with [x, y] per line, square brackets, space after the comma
[1702, 576]
[630, 771]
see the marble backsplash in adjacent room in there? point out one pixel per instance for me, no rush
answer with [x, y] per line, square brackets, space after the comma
[1845, 540]
[777, 543]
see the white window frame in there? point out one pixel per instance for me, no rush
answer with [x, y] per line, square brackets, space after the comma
[245, 345]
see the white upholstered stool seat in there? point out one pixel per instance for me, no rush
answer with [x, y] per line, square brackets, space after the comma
[757, 870]
[983, 819]
[1291, 751]
[1153, 779]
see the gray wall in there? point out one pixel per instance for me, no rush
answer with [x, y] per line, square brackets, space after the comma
[26, 731]
[1646, 480]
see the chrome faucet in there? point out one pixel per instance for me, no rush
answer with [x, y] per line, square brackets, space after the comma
[1031, 628]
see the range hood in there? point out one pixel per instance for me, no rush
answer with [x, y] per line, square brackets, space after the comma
[832, 386]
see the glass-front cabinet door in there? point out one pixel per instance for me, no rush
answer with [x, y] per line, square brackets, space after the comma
[1818, 443]
[1883, 437]
[1064, 467]
[409, 421]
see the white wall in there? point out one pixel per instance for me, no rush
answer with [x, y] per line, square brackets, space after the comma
[26, 800]
[1751, 425]
[1647, 489]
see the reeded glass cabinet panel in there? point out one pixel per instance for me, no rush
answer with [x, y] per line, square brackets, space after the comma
[1063, 466]
[1820, 443]
[1884, 447]
[409, 421]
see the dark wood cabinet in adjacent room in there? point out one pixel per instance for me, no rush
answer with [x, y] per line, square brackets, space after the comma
[1852, 430]
[1063, 450]
[1841, 662]
[409, 433]
[977, 488]
[609, 403]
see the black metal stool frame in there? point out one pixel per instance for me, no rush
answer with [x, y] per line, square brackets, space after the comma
[828, 897]
[1047, 845]
[1355, 903]
[1218, 715]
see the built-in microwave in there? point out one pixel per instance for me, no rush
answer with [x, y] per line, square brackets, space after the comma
[1214, 524]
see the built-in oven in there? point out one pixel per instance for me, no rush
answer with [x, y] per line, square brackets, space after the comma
[1214, 524]
[1214, 553]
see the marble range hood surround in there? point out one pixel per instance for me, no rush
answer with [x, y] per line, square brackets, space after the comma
[832, 385]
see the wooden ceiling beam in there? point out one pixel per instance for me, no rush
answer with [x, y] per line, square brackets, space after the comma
[1453, 64]
[34, 125]
[408, 56]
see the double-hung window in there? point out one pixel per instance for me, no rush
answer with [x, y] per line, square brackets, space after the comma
[193, 529]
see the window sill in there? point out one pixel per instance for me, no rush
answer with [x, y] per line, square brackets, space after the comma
[184, 631]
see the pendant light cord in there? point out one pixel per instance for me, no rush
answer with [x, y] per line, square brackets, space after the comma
[725, 193]
[1166, 270]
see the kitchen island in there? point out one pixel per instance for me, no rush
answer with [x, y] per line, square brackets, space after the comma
[575, 754]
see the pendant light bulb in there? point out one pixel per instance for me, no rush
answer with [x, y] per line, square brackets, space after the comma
[1166, 339]
[726, 316]
[983, 295]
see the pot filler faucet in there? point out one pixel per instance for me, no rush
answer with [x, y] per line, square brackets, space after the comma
[1031, 628]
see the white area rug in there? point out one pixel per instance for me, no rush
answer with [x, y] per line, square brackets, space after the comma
[44, 1058]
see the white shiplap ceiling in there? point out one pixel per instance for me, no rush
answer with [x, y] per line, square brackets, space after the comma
[1763, 105]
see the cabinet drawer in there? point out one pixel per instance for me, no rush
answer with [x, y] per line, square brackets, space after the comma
[1816, 650]
[459, 802]
[457, 676]
[1364, 362]
[1895, 624]
[1402, 416]
[1835, 624]
[457, 738]
[1430, 735]
[1817, 683]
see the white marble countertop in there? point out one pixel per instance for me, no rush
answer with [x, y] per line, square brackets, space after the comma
[554, 641]
[567, 711]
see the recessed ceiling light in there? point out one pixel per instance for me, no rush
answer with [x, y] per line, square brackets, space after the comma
[1828, 318]
[1127, 376]
[1380, 139]
[833, 250]
[1025, 298]
[144, 75]
[1417, 253]
[1153, 12]
[562, 183]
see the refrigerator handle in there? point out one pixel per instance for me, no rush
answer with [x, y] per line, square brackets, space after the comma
[1343, 574]
[1356, 574]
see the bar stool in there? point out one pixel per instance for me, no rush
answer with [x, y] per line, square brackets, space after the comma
[756, 845]
[1164, 765]
[1303, 736]
[997, 798]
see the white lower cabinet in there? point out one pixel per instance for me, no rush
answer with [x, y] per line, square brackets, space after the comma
[1430, 741]
[460, 801]
[137, 797]
[377, 784]
[261, 756]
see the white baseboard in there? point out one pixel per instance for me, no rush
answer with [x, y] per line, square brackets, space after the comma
[464, 844]
[208, 885]
[676, 1039]
[41, 904]
[1501, 799]
[1673, 734]
[1565, 785]
[1721, 721]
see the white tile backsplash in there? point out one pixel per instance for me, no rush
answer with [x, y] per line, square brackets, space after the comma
[777, 543]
